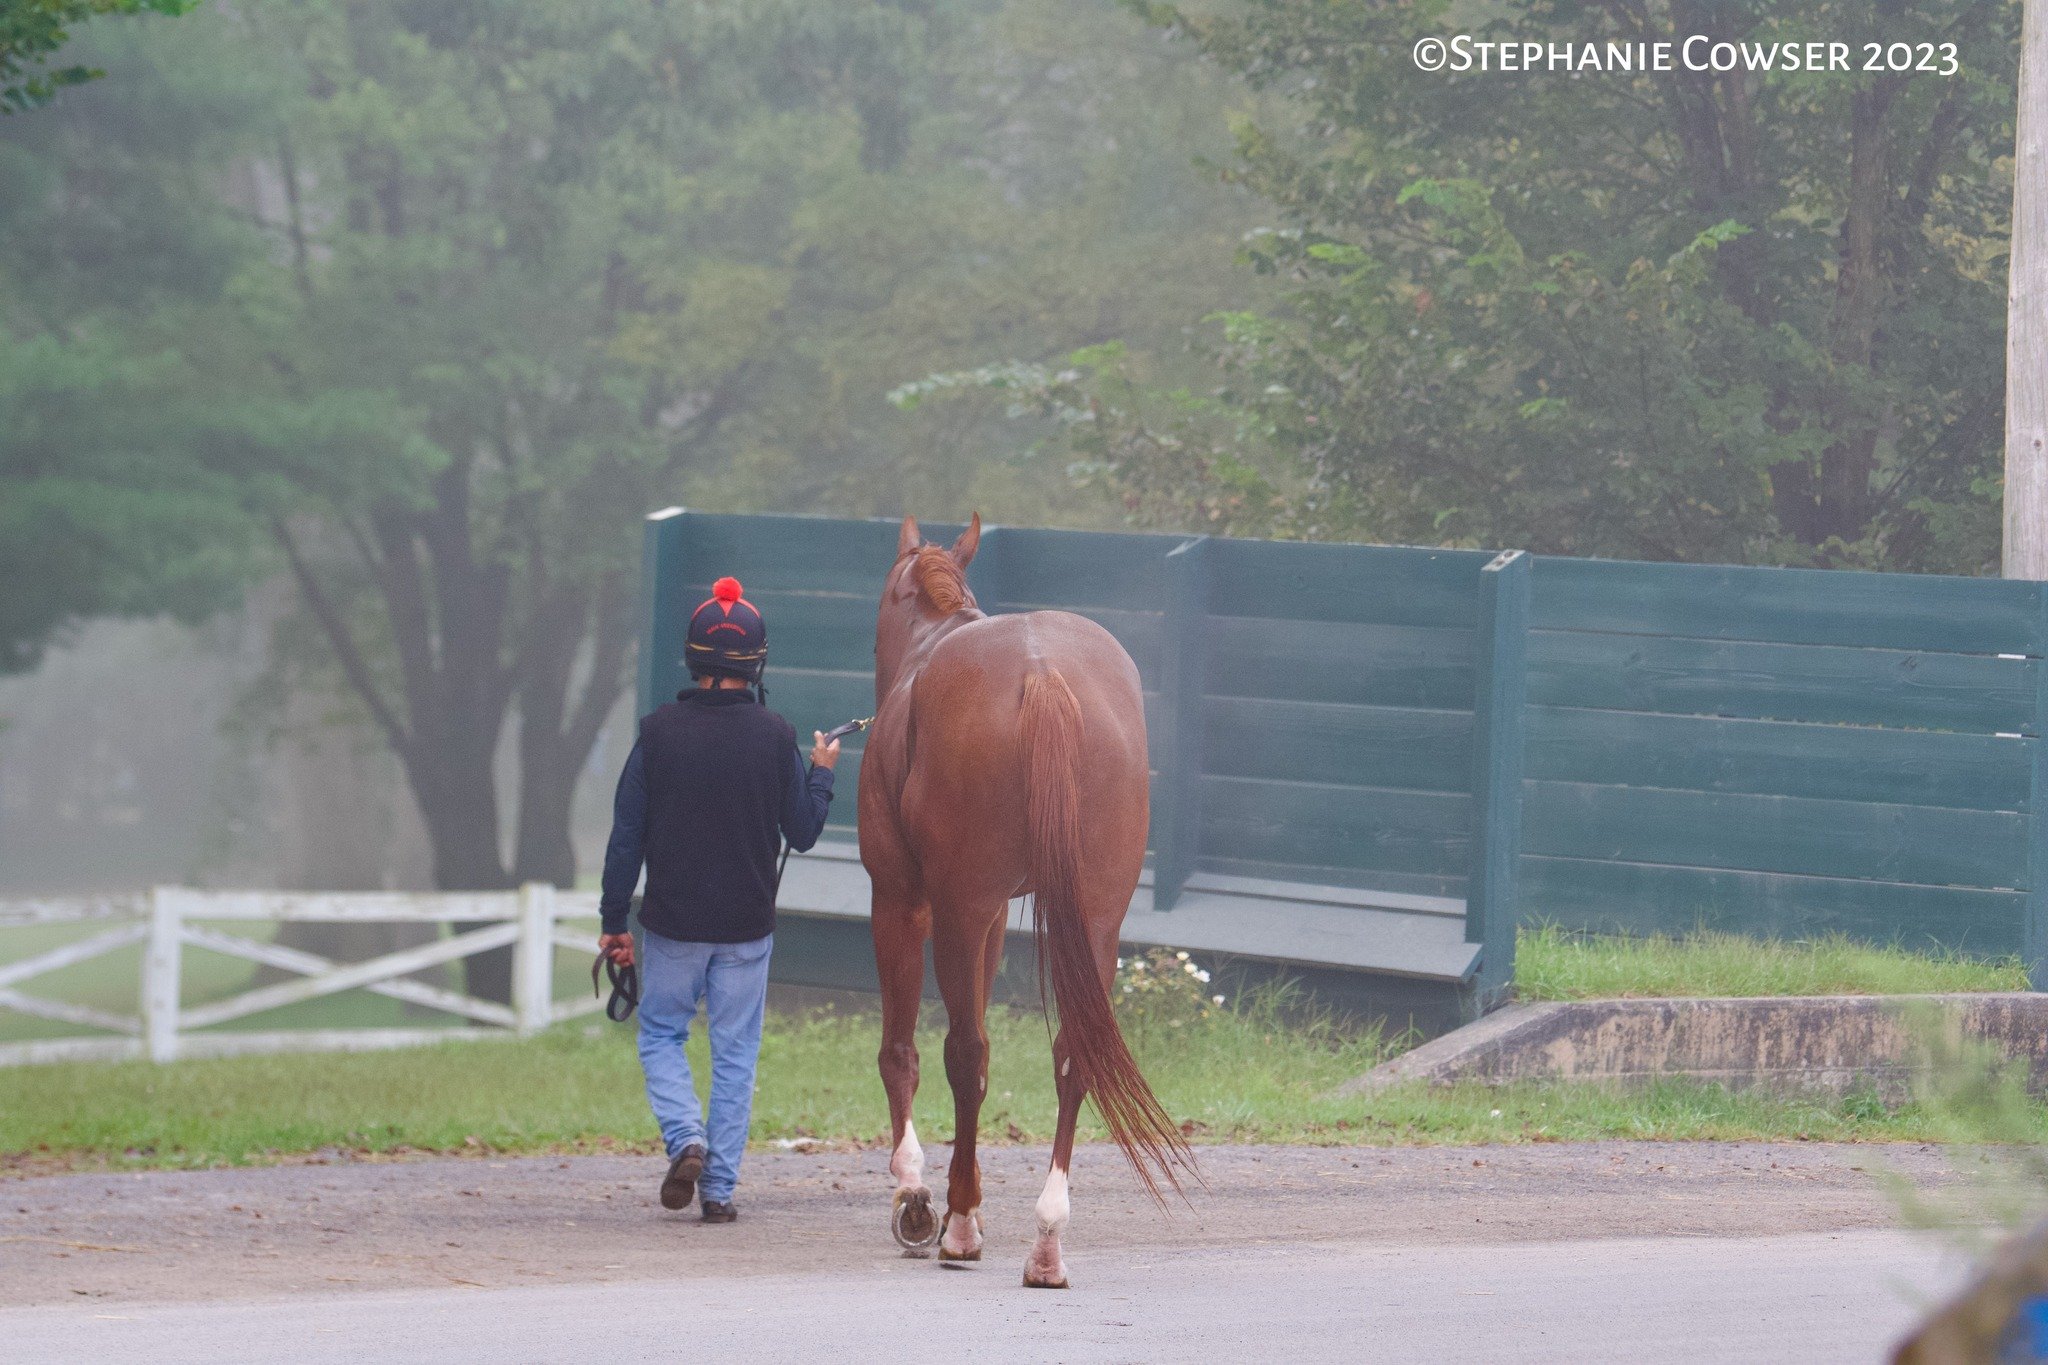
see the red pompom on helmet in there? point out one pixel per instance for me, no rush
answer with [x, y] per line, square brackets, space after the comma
[727, 635]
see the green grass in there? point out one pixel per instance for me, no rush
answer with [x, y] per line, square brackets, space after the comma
[1237, 1076]
[1250, 1073]
[1553, 964]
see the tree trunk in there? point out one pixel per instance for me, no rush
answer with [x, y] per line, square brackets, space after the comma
[2026, 328]
[458, 799]
[1845, 501]
[542, 850]
[559, 725]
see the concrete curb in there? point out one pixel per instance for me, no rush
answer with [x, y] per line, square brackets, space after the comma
[1828, 1043]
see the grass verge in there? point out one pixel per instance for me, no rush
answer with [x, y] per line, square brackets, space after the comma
[1554, 964]
[1237, 1075]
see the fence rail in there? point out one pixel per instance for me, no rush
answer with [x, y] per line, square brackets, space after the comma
[169, 920]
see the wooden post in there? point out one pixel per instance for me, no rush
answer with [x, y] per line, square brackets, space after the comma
[1177, 801]
[2026, 430]
[533, 959]
[661, 626]
[1491, 896]
[161, 964]
[2026, 314]
[2034, 925]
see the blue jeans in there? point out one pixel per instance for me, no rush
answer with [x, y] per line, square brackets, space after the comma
[732, 980]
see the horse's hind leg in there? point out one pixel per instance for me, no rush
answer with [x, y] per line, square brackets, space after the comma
[899, 932]
[1043, 1268]
[965, 958]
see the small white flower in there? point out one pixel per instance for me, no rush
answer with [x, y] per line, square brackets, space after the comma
[1496, 1113]
[1202, 977]
[1182, 956]
[1217, 998]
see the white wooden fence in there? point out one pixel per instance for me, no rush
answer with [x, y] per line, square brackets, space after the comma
[170, 919]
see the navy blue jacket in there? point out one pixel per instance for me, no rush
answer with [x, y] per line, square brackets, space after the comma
[712, 787]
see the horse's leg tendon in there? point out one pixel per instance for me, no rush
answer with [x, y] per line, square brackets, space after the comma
[964, 963]
[1043, 1268]
[899, 960]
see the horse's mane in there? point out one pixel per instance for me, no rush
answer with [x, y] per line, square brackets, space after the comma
[940, 579]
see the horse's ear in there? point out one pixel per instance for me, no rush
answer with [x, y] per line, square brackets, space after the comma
[908, 538]
[970, 541]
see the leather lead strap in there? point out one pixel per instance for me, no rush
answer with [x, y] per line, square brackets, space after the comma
[625, 981]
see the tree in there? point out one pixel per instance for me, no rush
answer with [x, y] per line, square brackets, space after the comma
[103, 510]
[119, 527]
[144, 540]
[31, 32]
[487, 283]
[1742, 315]
[494, 277]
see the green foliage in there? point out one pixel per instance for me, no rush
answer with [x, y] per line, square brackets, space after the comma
[96, 518]
[31, 32]
[1168, 457]
[1555, 964]
[1982, 1102]
[1661, 316]
[435, 302]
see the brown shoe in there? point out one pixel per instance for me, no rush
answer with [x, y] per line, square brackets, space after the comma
[679, 1186]
[715, 1212]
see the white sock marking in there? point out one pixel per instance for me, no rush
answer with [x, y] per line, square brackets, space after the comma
[1052, 1204]
[907, 1165]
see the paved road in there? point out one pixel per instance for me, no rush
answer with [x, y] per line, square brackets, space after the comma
[1565, 1252]
[1810, 1297]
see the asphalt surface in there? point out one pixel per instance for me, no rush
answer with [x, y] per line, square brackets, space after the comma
[1565, 1252]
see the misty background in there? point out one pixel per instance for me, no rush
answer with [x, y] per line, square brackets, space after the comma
[344, 343]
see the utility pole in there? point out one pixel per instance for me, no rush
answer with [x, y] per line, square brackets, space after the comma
[2026, 314]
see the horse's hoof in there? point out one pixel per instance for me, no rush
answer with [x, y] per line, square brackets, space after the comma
[1045, 1268]
[912, 1222]
[971, 1250]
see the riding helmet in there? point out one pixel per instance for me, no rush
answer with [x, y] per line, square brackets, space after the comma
[727, 635]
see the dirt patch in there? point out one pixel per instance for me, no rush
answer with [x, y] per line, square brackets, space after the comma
[556, 1220]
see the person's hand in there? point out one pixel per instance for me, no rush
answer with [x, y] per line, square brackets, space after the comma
[823, 755]
[617, 947]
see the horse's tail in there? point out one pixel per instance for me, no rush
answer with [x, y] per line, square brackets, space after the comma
[1050, 725]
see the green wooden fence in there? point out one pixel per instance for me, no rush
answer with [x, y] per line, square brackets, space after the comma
[1620, 746]
[1784, 752]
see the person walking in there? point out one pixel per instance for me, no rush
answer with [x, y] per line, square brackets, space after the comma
[713, 784]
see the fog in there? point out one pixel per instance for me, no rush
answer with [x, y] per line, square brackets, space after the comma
[343, 347]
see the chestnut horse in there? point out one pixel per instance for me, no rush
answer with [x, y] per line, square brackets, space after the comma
[1007, 757]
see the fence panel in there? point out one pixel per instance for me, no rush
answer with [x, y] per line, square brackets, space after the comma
[1338, 715]
[1922, 613]
[1782, 752]
[172, 919]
